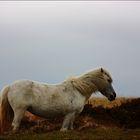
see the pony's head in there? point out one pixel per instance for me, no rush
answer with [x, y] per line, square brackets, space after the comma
[95, 80]
[104, 84]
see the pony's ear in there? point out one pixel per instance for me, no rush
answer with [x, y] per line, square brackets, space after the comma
[102, 70]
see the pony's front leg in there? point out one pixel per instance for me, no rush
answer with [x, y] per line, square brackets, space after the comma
[72, 121]
[68, 122]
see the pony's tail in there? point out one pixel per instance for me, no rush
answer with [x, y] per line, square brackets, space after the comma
[6, 112]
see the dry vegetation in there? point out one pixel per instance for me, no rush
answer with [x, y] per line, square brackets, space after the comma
[100, 120]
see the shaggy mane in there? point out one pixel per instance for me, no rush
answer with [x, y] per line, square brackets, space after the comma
[87, 83]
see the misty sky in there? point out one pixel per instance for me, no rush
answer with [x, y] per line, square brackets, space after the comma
[50, 41]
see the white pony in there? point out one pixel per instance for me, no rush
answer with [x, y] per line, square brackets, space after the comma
[49, 101]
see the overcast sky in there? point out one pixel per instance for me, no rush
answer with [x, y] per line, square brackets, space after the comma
[50, 41]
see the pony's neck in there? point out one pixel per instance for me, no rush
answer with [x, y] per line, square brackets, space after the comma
[85, 84]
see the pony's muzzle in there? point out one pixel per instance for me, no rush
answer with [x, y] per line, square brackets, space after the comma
[112, 97]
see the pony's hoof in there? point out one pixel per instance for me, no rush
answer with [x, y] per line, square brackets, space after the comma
[63, 130]
[71, 128]
[15, 131]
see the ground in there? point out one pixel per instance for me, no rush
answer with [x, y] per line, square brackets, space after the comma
[100, 120]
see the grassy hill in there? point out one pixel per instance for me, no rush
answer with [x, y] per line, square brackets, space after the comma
[100, 120]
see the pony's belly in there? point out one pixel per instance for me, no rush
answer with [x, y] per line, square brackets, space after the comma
[49, 113]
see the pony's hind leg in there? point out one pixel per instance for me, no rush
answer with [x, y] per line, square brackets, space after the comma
[18, 115]
[68, 122]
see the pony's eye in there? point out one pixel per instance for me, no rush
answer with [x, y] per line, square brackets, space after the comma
[109, 80]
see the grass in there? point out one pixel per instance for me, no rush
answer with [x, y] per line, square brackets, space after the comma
[87, 134]
[107, 104]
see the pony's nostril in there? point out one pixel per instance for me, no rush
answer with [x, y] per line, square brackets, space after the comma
[111, 96]
[114, 94]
